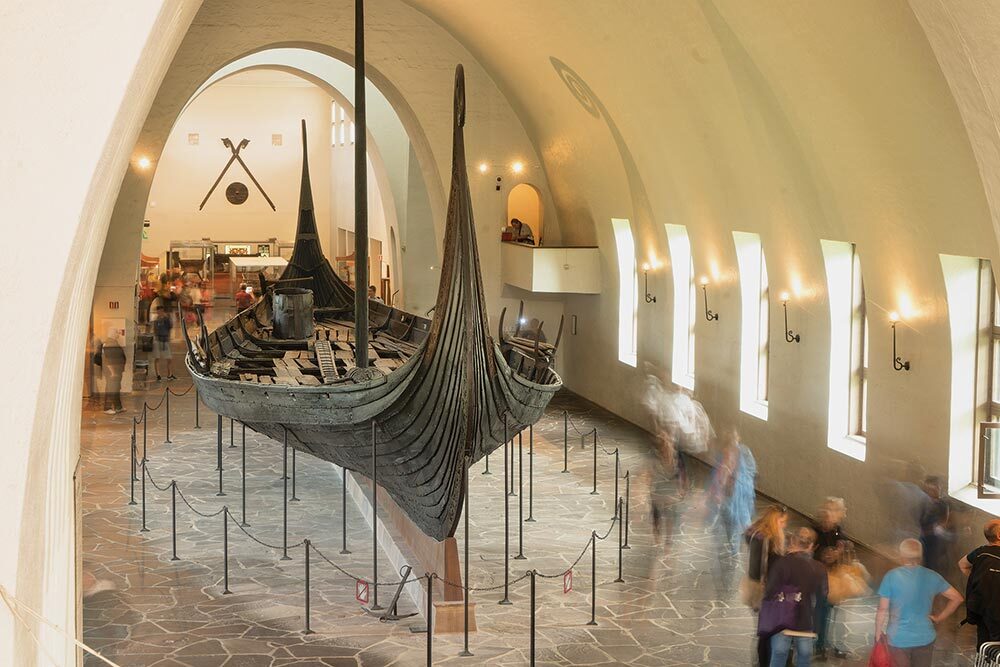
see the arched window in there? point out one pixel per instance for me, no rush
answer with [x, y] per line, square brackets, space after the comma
[685, 309]
[847, 424]
[628, 292]
[754, 324]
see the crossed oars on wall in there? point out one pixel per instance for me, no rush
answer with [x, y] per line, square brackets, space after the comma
[236, 158]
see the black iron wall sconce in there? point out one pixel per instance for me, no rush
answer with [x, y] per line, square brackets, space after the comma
[709, 315]
[790, 336]
[645, 279]
[897, 363]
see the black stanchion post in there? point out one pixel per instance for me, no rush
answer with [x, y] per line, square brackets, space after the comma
[531, 651]
[430, 619]
[134, 443]
[197, 409]
[487, 471]
[308, 630]
[506, 529]
[225, 551]
[243, 454]
[232, 442]
[145, 420]
[343, 513]
[619, 580]
[173, 518]
[593, 578]
[520, 496]
[565, 441]
[294, 498]
[510, 490]
[168, 415]
[218, 443]
[144, 529]
[617, 515]
[594, 491]
[132, 474]
[531, 474]
[284, 504]
[375, 604]
[218, 457]
[465, 564]
[628, 485]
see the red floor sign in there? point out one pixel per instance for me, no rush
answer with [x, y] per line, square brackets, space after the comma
[567, 581]
[361, 591]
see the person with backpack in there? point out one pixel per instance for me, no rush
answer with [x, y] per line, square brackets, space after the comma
[162, 327]
[794, 583]
[982, 592]
[905, 606]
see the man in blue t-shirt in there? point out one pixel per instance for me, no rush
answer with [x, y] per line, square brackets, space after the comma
[907, 596]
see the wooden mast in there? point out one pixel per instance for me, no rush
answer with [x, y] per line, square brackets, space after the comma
[360, 193]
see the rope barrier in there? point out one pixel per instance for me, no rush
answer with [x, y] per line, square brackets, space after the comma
[447, 582]
[16, 607]
[585, 433]
[259, 541]
[193, 509]
[182, 393]
[153, 481]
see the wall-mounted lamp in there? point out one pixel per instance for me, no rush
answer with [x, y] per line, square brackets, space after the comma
[645, 277]
[898, 363]
[144, 163]
[709, 315]
[517, 167]
[483, 167]
[789, 335]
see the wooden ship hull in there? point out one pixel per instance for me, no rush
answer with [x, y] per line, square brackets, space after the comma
[436, 395]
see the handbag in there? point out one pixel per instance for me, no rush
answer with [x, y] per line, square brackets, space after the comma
[848, 579]
[751, 590]
[779, 612]
[880, 656]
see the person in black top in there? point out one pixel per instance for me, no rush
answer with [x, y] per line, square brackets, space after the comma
[981, 603]
[797, 570]
[829, 548]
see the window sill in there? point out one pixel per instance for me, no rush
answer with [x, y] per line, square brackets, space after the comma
[685, 381]
[757, 409]
[850, 445]
[970, 496]
[630, 360]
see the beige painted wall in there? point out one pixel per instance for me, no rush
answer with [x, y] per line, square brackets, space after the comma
[252, 105]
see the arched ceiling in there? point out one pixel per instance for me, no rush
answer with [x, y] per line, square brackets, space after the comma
[823, 119]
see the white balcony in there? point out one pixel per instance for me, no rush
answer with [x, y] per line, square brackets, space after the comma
[552, 269]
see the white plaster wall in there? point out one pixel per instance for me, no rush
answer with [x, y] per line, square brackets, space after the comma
[252, 105]
[83, 76]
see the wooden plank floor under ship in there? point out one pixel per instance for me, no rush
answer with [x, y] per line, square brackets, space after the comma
[328, 360]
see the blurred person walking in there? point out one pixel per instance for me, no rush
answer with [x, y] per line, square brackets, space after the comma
[243, 298]
[732, 490]
[830, 548]
[935, 521]
[982, 592]
[766, 539]
[162, 326]
[110, 356]
[906, 599]
[795, 581]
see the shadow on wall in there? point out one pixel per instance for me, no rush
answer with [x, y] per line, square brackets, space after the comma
[584, 94]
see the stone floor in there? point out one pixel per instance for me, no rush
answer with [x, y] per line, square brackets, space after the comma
[677, 606]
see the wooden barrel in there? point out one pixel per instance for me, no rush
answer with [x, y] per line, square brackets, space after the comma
[293, 313]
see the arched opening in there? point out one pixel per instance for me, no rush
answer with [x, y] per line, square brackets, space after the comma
[525, 203]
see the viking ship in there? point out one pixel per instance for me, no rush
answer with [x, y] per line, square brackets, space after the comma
[374, 388]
